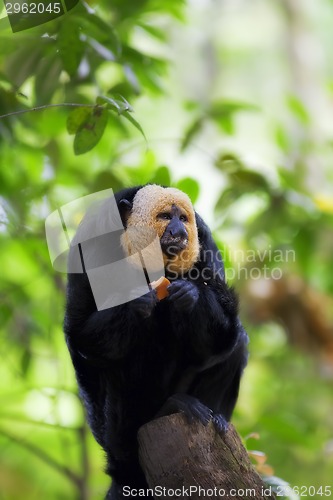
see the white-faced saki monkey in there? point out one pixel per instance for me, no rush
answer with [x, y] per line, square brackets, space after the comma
[148, 357]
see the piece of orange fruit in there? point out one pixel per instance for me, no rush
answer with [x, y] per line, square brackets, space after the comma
[160, 286]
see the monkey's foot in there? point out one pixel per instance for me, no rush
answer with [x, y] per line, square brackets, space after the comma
[220, 423]
[192, 408]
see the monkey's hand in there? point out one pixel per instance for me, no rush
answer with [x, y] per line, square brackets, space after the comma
[183, 294]
[145, 304]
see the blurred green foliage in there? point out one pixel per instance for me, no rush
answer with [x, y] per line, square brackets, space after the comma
[87, 71]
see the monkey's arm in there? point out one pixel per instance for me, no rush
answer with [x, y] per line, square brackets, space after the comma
[216, 348]
[106, 334]
[208, 313]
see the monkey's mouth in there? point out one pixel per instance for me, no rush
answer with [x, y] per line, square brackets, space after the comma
[173, 245]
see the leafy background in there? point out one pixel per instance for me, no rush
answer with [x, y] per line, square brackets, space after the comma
[233, 104]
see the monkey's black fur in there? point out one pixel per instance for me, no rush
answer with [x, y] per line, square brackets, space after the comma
[147, 358]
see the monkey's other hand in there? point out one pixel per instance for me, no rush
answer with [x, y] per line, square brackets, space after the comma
[145, 304]
[183, 294]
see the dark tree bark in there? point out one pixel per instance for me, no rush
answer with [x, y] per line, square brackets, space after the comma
[175, 455]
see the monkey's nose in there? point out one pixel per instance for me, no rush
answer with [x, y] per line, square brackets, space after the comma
[178, 233]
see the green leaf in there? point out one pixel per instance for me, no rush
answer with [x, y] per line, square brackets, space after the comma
[122, 88]
[26, 359]
[115, 104]
[6, 313]
[298, 109]
[76, 118]
[71, 47]
[282, 138]
[158, 33]
[8, 104]
[47, 78]
[190, 105]
[289, 178]
[191, 132]
[111, 103]
[136, 124]
[229, 163]
[106, 179]
[221, 109]
[125, 103]
[248, 180]
[132, 79]
[222, 112]
[91, 131]
[227, 197]
[99, 30]
[226, 123]
[162, 176]
[190, 187]
[140, 67]
[23, 62]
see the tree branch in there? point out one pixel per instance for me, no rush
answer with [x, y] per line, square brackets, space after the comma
[178, 456]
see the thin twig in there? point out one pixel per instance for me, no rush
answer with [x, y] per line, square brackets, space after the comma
[85, 465]
[62, 469]
[47, 106]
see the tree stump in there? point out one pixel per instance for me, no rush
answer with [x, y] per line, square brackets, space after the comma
[186, 460]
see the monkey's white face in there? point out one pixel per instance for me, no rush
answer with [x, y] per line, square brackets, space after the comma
[175, 235]
[167, 213]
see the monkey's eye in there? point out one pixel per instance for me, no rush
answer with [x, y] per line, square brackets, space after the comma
[164, 216]
[183, 218]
